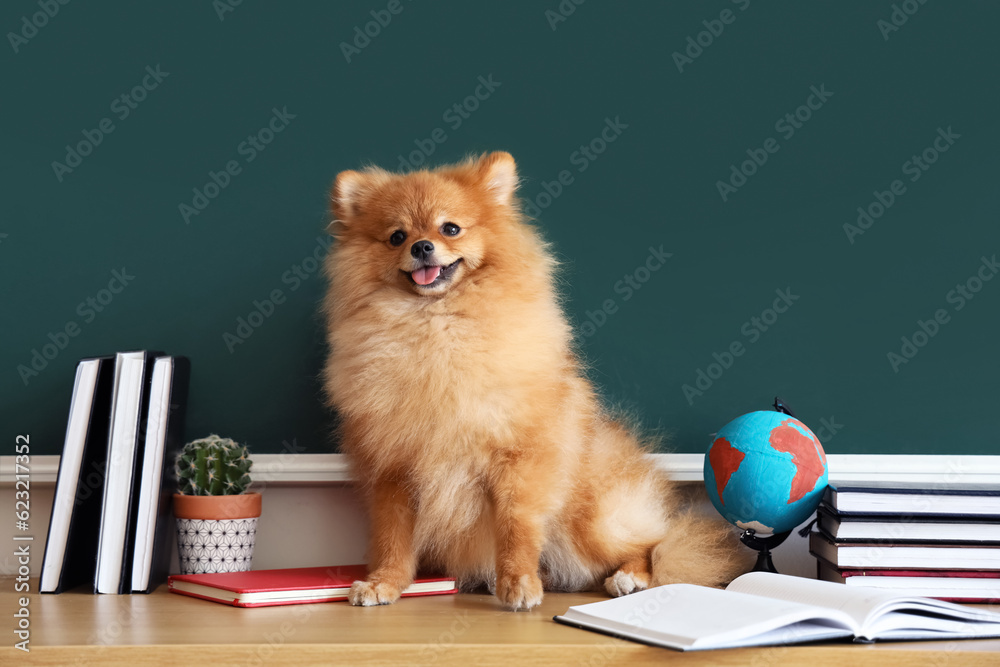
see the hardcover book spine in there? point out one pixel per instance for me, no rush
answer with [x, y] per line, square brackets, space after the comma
[174, 441]
[84, 493]
[128, 549]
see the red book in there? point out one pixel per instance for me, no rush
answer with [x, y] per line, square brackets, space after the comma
[302, 585]
[967, 586]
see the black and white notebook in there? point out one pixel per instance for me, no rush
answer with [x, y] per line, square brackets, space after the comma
[71, 545]
[914, 499]
[906, 528]
[908, 556]
[130, 404]
[763, 608]
[164, 439]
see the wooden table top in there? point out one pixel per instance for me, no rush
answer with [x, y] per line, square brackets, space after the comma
[80, 628]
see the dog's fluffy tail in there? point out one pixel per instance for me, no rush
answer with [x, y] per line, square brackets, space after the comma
[699, 550]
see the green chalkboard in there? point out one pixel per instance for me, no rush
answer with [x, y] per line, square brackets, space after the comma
[748, 198]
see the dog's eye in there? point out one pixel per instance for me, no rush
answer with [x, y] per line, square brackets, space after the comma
[450, 229]
[397, 237]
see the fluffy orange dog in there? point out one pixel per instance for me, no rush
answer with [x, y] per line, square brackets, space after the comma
[482, 448]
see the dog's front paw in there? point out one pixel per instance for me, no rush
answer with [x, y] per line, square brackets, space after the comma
[517, 592]
[368, 594]
[623, 583]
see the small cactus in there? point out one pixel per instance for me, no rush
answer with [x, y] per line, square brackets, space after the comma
[213, 466]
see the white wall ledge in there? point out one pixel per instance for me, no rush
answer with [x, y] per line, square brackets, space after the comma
[313, 469]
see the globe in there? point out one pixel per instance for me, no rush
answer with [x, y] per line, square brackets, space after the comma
[765, 471]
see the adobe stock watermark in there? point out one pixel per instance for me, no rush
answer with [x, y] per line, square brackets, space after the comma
[263, 652]
[785, 639]
[828, 429]
[108, 635]
[713, 30]
[752, 330]
[627, 286]
[900, 14]
[223, 7]
[581, 158]
[639, 616]
[248, 149]
[122, 107]
[30, 25]
[87, 310]
[460, 624]
[364, 34]
[959, 296]
[288, 455]
[563, 11]
[294, 276]
[787, 125]
[914, 168]
[455, 115]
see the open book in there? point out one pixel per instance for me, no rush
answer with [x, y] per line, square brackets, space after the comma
[762, 608]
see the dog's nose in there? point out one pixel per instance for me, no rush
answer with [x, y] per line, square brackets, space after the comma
[422, 249]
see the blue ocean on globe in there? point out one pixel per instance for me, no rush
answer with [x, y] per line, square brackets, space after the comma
[766, 471]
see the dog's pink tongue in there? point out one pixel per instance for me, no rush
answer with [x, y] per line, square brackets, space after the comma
[426, 275]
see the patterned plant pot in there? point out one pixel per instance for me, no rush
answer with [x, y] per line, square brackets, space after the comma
[216, 533]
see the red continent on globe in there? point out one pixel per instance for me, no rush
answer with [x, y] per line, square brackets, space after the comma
[807, 457]
[725, 460]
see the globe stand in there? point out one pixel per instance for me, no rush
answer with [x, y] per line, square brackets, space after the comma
[763, 546]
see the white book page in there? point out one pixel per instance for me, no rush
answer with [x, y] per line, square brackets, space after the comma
[121, 454]
[906, 624]
[115, 386]
[152, 468]
[858, 603]
[874, 611]
[908, 502]
[897, 618]
[69, 472]
[695, 617]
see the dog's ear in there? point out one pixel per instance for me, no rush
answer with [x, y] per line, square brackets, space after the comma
[498, 174]
[346, 195]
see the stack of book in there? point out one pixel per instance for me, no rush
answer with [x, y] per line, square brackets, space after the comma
[938, 540]
[110, 522]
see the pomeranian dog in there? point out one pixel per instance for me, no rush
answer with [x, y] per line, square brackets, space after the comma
[482, 449]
